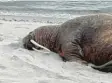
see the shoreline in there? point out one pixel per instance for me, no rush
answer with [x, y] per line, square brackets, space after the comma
[34, 19]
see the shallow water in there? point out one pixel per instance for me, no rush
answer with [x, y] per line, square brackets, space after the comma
[56, 9]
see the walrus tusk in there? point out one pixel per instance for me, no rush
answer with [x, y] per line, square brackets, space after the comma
[38, 45]
[39, 50]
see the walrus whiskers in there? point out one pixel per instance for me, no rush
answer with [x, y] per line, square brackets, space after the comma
[38, 45]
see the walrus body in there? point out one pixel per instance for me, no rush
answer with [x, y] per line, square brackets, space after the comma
[88, 38]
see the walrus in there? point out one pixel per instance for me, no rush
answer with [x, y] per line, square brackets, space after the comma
[88, 38]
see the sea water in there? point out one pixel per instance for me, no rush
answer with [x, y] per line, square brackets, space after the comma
[58, 9]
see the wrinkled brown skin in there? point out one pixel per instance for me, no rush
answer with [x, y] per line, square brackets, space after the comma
[88, 38]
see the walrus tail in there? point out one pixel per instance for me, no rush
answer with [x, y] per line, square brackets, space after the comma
[107, 67]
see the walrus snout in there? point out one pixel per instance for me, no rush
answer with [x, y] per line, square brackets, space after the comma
[27, 43]
[28, 46]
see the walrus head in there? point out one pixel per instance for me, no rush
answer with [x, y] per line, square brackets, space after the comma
[27, 42]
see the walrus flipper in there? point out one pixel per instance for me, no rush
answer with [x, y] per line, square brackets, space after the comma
[107, 67]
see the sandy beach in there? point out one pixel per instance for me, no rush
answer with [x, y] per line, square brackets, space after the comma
[18, 65]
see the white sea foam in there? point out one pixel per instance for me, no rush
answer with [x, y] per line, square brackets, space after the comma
[56, 15]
